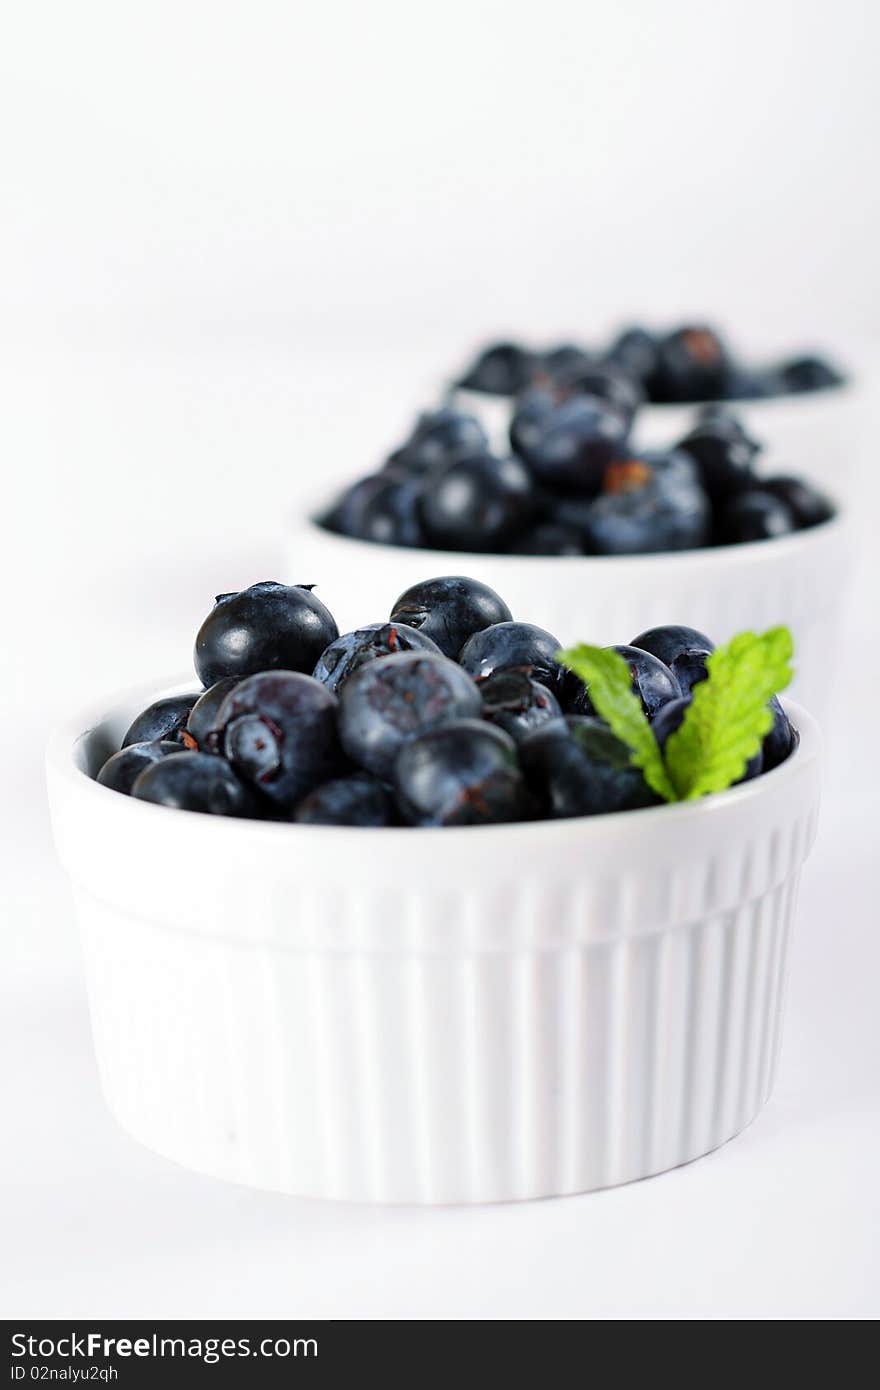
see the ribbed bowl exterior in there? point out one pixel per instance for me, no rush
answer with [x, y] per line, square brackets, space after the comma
[434, 1016]
[799, 580]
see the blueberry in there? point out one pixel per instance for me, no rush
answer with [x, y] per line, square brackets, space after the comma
[807, 505]
[513, 646]
[476, 503]
[781, 740]
[527, 422]
[347, 514]
[574, 443]
[267, 627]
[562, 361]
[754, 516]
[349, 652]
[549, 538]
[752, 384]
[671, 641]
[203, 715]
[278, 730]
[356, 800]
[465, 773]
[724, 455]
[809, 374]
[502, 369]
[121, 771]
[164, 719]
[636, 351]
[397, 698]
[671, 717]
[649, 504]
[512, 701]
[390, 514]
[652, 681]
[441, 436]
[578, 767]
[618, 388]
[196, 782]
[449, 610]
[692, 365]
[689, 668]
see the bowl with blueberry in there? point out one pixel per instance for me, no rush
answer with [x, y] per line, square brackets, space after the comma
[806, 406]
[574, 518]
[438, 908]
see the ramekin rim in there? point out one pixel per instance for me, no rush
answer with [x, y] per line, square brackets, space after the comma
[65, 738]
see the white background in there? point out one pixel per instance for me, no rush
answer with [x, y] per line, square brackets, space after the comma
[235, 244]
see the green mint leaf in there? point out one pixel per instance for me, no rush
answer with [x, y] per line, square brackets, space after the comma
[728, 718]
[610, 684]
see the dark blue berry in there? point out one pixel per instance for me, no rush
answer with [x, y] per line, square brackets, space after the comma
[671, 641]
[652, 503]
[512, 701]
[652, 681]
[549, 538]
[441, 436]
[349, 652]
[196, 782]
[636, 351]
[807, 505]
[809, 374]
[476, 503]
[465, 773]
[203, 715]
[121, 771]
[267, 627]
[528, 420]
[397, 698]
[164, 719]
[754, 516]
[618, 388]
[513, 646]
[578, 767]
[692, 365]
[573, 444]
[278, 730]
[724, 455]
[390, 514]
[671, 717]
[356, 800]
[781, 740]
[560, 363]
[501, 369]
[449, 610]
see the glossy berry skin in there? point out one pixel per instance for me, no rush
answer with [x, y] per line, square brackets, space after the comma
[724, 455]
[652, 681]
[578, 767]
[121, 771]
[278, 731]
[268, 627]
[692, 365]
[671, 641]
[501, 369]
[449, 610]
[356, 800]
[528, 420]
[563, 361]
[781, 740]
[513, 646]
[621, 390]
[671, 717]
[689, 668]
[346, 516]
[649, 504]
[441, 436]
[807, 505]
[754, 516]
[475, 503]
[203, 715]
[512, 701]
[636, 351]
[465, 773]
[574, 443]
[350, 651]
[809, 374]
[395, 699]
[389, 515]
[196, 782]
[164, 719]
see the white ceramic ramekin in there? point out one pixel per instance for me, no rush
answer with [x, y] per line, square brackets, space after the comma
[427, 1016]
[799, 580]
[817, 435]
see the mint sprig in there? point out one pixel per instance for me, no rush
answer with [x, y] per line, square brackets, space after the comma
[607, 675]
[723, 727]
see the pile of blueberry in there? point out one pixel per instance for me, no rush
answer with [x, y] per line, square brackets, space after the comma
[690, 364]
[573, 485]
[449, 713]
